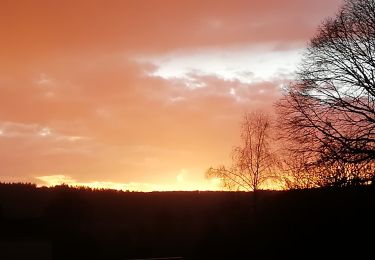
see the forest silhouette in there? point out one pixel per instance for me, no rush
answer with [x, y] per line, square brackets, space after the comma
[81, 223]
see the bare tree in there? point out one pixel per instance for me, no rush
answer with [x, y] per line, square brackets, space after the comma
[330, 109]
[253, 160]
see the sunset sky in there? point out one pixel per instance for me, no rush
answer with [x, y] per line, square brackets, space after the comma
[136, 94]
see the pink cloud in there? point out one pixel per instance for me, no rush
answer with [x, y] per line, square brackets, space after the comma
[39, 28]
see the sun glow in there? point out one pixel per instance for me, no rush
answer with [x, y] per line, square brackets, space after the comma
[180, 184]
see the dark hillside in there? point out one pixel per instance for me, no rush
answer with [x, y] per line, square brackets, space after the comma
[66, 223]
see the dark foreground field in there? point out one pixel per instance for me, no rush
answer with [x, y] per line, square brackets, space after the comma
[66, 223]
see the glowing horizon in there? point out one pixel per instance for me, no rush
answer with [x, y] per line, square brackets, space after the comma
[180, 184]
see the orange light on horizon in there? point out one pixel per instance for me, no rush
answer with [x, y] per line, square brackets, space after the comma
[55, 180]
[212, 184]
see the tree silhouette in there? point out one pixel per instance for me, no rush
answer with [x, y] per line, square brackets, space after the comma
[253, 160]
[329, 111]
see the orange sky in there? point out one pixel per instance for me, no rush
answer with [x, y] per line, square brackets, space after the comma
[139, 95]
